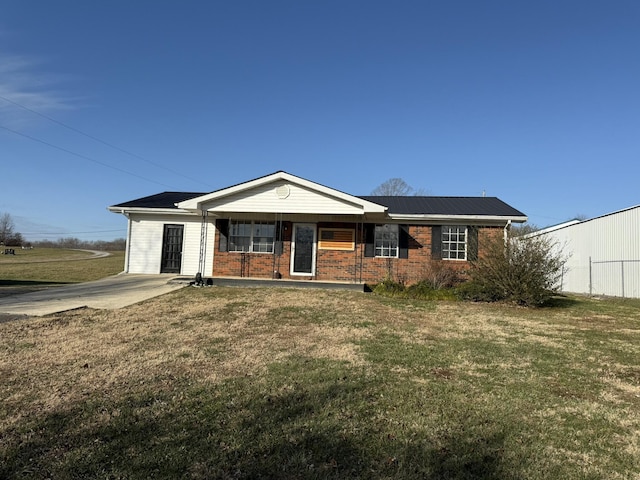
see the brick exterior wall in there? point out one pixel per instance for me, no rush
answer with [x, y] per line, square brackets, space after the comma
[343, 265]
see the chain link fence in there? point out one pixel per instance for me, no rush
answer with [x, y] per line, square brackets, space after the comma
[619, 278]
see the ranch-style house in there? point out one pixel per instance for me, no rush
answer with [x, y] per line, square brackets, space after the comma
[281, 226]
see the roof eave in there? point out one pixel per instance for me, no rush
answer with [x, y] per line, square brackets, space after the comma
[169, 211]
[457, 218]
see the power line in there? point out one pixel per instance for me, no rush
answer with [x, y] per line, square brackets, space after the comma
[73, 233]
[84, 157]
[110, 145]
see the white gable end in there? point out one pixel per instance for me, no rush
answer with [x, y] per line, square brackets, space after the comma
[281, 193]
[282, 197]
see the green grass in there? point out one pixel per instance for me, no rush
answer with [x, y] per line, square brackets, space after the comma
[51, 266]
[279, 384]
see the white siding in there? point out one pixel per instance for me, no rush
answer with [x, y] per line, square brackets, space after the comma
[145, 243]
[191, 247]
[604, 254]
[264, 198]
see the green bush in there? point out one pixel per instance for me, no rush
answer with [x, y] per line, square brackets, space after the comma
[389, 288]
[521, 270]
[425, 290]
[475, 291]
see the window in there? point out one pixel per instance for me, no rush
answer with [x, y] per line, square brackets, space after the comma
[386, 241]
[248, 236]
[239, 236]
[454, 243]
[336, 239]
[263, 237]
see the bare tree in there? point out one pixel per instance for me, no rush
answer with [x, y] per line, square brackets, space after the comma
[523, 229]
[6, 228]
[8, 235]
[395, 187]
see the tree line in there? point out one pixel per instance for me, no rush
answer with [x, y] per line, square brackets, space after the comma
[119, 244]
[9, 237]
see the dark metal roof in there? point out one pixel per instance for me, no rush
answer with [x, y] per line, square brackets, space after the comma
[159, 200]
[485, 206]
[488, 206]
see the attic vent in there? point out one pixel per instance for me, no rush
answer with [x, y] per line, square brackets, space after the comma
[283, 191]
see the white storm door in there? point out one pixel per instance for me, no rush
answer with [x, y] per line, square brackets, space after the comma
[303, 249]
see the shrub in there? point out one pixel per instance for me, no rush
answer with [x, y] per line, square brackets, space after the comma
[425, 290]
[439, 274]
[523, 270]
[422, 290]
[389, 288]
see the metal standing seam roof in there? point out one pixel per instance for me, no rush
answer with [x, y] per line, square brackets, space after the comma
[159, 200]
[482, 206]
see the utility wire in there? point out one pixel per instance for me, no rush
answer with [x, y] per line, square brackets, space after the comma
[110, 145]
[73, 233]
[84, 157]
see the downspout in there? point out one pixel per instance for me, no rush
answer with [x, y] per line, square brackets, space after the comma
[506, 230]
[127, 253]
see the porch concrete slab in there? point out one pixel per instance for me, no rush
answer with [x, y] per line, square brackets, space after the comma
[281, 283]
[108, 293]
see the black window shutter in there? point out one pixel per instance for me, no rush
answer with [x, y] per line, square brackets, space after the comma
[436, 242]
[222, 226]
[472, 244]
[403, 241]
[369, 238]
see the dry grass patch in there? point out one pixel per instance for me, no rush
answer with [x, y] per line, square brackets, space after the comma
[208, 337]
[286, 383]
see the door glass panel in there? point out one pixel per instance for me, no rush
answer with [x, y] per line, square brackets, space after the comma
[172, 249]
[303, 256]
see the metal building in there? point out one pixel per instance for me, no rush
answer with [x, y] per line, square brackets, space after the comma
[603, 253]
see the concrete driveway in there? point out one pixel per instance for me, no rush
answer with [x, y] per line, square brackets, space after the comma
[109, 293]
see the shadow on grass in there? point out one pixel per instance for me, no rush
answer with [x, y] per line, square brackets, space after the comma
[561, 301]
[326, 430]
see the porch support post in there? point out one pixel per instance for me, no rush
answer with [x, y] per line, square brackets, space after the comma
[202, 259]
[362, 246]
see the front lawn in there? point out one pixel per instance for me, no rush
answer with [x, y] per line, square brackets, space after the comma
[286, 383]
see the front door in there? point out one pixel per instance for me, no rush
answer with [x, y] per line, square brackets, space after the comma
[303, 249]
[172, 249]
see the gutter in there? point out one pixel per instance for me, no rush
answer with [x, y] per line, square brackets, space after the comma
[170, 211]
[454, 218]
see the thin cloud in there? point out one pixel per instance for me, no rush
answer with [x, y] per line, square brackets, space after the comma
[22, 81]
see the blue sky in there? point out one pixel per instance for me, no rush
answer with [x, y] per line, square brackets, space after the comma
[537, 103]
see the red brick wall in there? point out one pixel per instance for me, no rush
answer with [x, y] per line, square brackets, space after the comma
[255, 265]
[349, 266]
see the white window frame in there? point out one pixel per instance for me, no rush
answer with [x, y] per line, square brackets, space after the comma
[253, 245]
[383, 247]
[452, 247]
